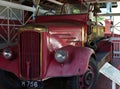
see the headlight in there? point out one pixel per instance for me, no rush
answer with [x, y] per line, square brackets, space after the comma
[7, 53]
[60, 56]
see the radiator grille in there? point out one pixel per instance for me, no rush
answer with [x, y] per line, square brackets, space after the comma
[30, 54]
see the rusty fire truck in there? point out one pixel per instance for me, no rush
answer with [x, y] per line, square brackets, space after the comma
[55, 52]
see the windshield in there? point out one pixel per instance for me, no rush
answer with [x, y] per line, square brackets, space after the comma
[68, 8]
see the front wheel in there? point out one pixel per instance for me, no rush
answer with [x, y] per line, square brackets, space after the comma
[86, 81]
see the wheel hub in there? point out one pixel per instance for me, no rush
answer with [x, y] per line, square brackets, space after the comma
[88, 78]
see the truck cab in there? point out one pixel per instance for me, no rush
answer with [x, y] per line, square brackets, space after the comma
[57, 51]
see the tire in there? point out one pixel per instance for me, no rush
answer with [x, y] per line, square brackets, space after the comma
[86, 81]
[9, 81]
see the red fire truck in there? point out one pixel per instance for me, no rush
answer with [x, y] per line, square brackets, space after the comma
[56, 52]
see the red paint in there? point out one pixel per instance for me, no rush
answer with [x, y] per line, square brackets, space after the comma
[10, 65]
[67, 32]
[82, 17]
[76, 64]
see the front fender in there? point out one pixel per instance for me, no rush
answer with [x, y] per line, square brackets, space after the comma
[76, 64]
[10, 65]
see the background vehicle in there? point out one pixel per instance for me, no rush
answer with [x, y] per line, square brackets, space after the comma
[56, 52]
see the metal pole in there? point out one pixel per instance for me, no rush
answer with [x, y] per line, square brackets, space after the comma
[113, 85]
[21, 7]
[56, 2]
[8, 23]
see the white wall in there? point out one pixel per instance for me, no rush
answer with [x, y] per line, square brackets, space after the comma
[116, 19]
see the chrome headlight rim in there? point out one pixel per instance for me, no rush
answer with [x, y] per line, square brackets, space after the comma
[7, 53]
[60, 56]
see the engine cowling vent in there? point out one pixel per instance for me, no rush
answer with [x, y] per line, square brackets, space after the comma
[30, 46]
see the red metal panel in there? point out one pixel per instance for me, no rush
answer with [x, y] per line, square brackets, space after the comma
[82, 17]
[10, 65]
[76, 63]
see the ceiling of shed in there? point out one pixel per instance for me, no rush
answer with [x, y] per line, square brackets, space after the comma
[41, 1]
[52, 4]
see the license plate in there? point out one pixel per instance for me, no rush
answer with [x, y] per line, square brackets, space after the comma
[32, 84]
